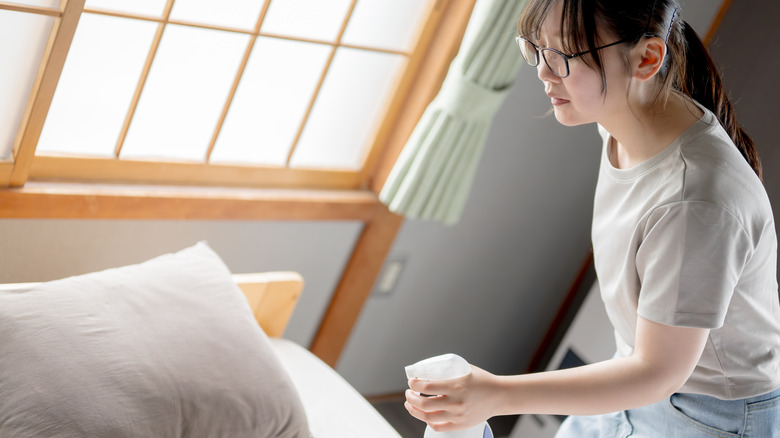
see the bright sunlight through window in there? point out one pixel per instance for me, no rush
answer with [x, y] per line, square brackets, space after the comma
[268, 83]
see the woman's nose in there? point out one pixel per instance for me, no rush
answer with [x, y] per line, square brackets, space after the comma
[544, 73]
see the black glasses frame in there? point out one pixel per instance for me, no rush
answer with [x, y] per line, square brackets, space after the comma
[540, 53]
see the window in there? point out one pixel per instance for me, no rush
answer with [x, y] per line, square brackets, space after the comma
[282, 93]
[185, 102]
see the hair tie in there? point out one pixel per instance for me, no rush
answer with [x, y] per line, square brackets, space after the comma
[671, 23]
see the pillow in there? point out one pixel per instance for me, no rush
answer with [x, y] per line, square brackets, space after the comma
[165, 348]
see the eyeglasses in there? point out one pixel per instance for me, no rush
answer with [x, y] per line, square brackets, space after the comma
[557, 61]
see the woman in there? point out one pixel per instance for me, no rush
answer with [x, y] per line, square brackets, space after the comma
[683, 237]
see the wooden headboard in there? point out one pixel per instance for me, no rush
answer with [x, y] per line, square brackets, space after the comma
[271, 295]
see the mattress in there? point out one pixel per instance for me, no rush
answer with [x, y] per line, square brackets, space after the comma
[333, 407]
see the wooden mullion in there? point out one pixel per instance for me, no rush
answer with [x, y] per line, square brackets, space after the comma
[237, 79]
[256, 32]
[356, 284]
[5, 6]
[142, 80]
[320, 82]
[127, 15]
[43, 90]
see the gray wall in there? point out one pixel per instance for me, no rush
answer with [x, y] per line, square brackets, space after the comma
[40, 250]
[746, 51]
[485, 288]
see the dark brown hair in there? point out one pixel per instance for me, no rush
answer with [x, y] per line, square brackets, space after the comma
[687, 68]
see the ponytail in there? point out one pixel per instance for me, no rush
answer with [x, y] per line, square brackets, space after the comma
[698, 77]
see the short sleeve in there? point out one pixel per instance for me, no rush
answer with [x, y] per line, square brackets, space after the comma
[689, 262]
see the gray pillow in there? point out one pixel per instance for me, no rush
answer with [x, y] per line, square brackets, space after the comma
[165, 348]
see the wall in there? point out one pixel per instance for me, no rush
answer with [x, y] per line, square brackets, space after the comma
[745, 50]
[40, 250]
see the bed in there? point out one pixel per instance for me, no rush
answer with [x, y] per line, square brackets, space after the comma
[172, 347]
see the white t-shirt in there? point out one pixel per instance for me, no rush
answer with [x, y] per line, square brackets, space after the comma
[687, 238]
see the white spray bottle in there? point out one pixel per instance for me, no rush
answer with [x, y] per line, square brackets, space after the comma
[445, 367]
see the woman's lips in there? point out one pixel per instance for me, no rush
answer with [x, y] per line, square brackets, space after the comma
[558, 101]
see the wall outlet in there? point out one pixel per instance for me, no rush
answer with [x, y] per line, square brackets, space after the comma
[391, 272]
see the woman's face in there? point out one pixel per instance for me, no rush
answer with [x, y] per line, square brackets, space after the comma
[578, 99]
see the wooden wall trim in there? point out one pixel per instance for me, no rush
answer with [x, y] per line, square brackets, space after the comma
[355, 286]
[93, 201]
[724, 7]
[566, 312]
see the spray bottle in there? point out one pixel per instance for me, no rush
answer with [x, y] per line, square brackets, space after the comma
[445, 367]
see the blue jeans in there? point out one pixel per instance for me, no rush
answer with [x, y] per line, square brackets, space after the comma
[684, 416]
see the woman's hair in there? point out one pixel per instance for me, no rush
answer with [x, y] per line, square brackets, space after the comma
[687, 68]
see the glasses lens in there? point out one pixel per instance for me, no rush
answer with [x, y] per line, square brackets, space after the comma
[556, 62]
[529, 52]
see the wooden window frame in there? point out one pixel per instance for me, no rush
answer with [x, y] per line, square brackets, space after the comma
[57, 167]
[275, 195]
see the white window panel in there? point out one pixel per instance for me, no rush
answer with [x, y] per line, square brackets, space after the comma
[52, 4]
[153, 8]
[270, 102]
[387, 24]
[96, 86]
[344, 117]
[19, 66]
[242, 14]
[183, 98]
[311, 19]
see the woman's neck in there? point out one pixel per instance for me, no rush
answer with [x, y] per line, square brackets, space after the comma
[642, 131]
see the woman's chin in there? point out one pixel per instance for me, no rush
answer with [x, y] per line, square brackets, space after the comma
[567, 120]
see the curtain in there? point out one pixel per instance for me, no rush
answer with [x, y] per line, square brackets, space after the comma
[434, 172]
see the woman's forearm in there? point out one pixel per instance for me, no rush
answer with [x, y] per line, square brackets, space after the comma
[612, 385]
[663, 359]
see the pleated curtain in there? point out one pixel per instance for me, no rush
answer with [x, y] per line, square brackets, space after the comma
[434, 172]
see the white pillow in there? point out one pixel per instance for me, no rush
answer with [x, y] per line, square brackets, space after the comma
[165, 348]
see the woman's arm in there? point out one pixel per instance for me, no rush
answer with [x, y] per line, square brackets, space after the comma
[662, 361]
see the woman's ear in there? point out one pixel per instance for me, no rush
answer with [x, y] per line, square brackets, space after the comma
[649, 57]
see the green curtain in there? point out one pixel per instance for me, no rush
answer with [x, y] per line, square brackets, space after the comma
[434, 172]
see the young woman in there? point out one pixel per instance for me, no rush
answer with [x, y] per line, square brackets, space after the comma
[683, 238]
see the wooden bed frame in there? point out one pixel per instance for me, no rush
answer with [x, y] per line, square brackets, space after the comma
[272, 296]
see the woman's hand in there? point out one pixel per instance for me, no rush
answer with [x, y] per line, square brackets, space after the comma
[458, 404]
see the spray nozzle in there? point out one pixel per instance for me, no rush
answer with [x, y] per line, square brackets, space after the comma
[444, 367]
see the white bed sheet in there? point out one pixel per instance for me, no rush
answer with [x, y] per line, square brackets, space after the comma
[334, 408]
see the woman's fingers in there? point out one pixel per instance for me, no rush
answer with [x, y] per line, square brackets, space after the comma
[434, 409]
[436, 387]
[436, 419]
